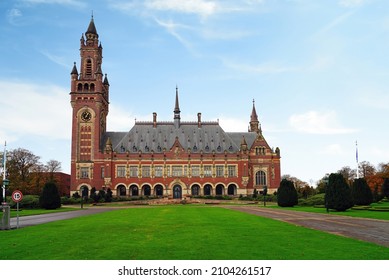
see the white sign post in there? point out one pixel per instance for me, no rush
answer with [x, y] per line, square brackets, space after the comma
[16, 197]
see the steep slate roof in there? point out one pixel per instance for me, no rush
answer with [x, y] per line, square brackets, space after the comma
[209, 137]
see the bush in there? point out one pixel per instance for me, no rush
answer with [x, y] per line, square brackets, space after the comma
[28, 202]
[50, 198]
[287, 194]
[313, 200]
[385, 188]
[361, 193]
[338, 193]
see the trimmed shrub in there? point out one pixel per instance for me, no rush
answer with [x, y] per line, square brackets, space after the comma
[317, 199]
[287, 194]
[385, 188]
[50, 198]
[338, 193]
[361, 193]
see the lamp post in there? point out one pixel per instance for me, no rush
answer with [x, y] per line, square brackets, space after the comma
[264, 195]
[325, 181]
[5, 180]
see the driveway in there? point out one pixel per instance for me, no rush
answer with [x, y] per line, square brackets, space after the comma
[45, 218]
[371, 230]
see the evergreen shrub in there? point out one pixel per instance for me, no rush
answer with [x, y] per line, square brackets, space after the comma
[338, 193]
[287, 194]
[50, 198]
[361, 193]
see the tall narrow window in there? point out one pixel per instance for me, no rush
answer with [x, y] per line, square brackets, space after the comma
[88, 67]
[260, 178]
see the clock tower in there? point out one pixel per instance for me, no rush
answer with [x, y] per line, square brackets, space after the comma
[89, 100]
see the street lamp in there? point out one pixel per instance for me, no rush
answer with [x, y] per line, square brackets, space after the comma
[264, 195]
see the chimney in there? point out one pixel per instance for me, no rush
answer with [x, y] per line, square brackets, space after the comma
[154, 120]
[199, 120]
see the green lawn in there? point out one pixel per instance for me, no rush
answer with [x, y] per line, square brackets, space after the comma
[381, 215]
[179, 232]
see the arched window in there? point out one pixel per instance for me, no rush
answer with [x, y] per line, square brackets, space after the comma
[196, 190]
[134, 191]
[231, 189]
[92, 87]
[260, 178]
[207, 190]
[219, 190]
[121, 190]
[146, 190]
[79, 87]
[86, 87]
[159, 190]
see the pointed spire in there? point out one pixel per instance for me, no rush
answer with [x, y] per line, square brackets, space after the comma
[105, 82]
[254, 123]
[74, 70]
[254, 116]
[177, 111]
[91, 28]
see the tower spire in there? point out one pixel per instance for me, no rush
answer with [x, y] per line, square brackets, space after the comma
[177, 111]
[254, 123]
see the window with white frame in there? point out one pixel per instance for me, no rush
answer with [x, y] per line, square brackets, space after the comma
[146, 171]
[84, 172]
[231, 171]
[219, 170]
[207, 170]
[195, 171]
[158, 171]
[133, 171]
[121, 171]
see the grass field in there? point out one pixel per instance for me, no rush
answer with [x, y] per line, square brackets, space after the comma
[179, 232]
[350, 212]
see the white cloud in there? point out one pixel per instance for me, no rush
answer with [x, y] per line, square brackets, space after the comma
[264, 68]
[13, 16]
[34, 110]
[314, 122]
[351, 3]
[56, 59]
[199, 7]
[74, 3]
[333, 149]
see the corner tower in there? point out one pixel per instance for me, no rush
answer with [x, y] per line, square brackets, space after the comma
[89, 100]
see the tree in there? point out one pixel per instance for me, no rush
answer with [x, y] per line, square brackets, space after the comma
[366, 169]
[338, 193]
[385, 188]
[361, 193]
[20, 167]
[348, 173]
[287, 194]
[50, 198]
[52, 166]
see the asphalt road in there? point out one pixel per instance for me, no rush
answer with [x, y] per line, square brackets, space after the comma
[371, 230]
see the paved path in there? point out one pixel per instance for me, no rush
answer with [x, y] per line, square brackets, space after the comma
[46, 218]
[371, 230]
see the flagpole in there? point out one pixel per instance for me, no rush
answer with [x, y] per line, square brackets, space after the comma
[4, 169]
[356, 155]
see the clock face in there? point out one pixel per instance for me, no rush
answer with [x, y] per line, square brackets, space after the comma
[86, 116]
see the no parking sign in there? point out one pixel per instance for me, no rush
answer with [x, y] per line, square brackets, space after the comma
[17, 196]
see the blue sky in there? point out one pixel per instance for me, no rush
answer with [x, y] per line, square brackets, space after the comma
[318, 71]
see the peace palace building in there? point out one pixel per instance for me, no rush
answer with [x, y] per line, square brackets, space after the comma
[173, 159]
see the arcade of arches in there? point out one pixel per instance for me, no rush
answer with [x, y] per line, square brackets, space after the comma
[176, 191]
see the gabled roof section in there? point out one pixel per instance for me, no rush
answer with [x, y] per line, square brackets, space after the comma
[146, 138]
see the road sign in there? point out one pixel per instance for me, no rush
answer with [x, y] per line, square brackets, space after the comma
[17, 196]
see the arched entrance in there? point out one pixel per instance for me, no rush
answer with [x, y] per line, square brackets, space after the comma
[207, 189]
[121, 190]
[146, 190]
[231, 189]
[84, 191]
[195, 190]
[177, 191]
[134, 190]
[158, 190]
[219, 189]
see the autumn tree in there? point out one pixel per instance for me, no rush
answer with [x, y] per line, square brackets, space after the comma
[348, 174]
[21, 165]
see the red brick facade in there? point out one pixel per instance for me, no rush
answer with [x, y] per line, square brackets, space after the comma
[174, 159]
